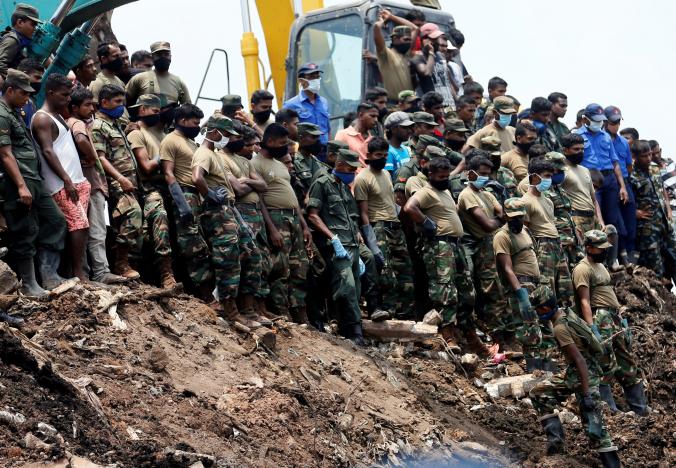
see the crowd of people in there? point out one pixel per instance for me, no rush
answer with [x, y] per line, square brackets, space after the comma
[432, 196]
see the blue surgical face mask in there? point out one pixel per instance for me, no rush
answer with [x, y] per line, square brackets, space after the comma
[548, 315]
[114, 113]
[346, 177]
[595, 126]
[558, 179]
[480, 181]
[538, 125]
[544, 185]
[504, 120]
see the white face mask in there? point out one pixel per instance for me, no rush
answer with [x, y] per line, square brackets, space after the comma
[220, 144]
[595, 126]
[314, 85]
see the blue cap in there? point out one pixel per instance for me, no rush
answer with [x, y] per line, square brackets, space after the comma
[613, 113]
[308, 68]
[595, 112]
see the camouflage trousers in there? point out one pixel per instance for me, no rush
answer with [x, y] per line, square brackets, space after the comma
[156, 224]
[370, 288]
[126, 219]
[618, 361]
[251, 213]
[396, 277]
[289, 263]
[250, 260]
[572, 247]
[450, 283]
[491, 305]
[584, 224]
[551, 392]
[554, 269]
[527, 329]
[346, 287]
[655, 245]
[222, 230]
[191, 245]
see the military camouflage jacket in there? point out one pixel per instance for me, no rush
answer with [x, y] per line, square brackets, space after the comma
[337, 208]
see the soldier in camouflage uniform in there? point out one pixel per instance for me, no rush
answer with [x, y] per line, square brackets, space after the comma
[654, 232]
[412, 166]
[333, 212]
[581, 378]
[450, 284]
[599, 307]
[145, 144]
[500, 174]
[14, 43]
[306, 165]
[423, 124]
[455, 137]
[121, 171]
[572, 246]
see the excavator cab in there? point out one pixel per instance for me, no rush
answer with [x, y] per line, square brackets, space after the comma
[334, 38]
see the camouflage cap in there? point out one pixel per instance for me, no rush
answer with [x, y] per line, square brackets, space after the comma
[514, 207]
[423, 117]
[18, 79]
[596, 238]
[400, 31]
[232, 100]
[220, 122]
[407, 95]
[397, 118]
[334, 146]
[557, 159]
[23, 10]
[348, 157]
[148, 100]
[504, 105]
[456, 125]
[491, 143]
[307, 128]
[541, 296]
[434, 152]
[427, 140]
[159, 46]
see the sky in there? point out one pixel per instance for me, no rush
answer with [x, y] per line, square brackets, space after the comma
[618, 52]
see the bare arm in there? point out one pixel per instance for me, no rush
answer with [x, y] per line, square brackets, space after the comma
[460, 167]
[487, 224]
[43, 132]
[85, 149]
[412, 209]
[426, 68]
[12, 170]
[585, 304]
[666, 198]
[316, 221]
[574, 355]
[148, 166]
[256, 182]
[597, 208]
[307, 235]
[199, 181]
[237, 185]
[624, 196]
[364, 212]
[378, 36]
[273, 233]
[504, 263]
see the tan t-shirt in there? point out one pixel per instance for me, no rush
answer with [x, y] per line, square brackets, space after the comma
[216, 171]
[102, 80]
[376, 189]
[240, 167]
[149, 139]
[579, 187]
[415, 183]
[470, 199]
[540, 216]
[173, 87]
[506, 136]
[280, 194]
[520, 248]
[515, 162]
[179, 150]
[566, 337]
[596, 277]
[396, 73]
[440, 207]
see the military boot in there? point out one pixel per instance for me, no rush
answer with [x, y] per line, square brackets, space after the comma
[448, 333]
[635, 398]
[610, 458]
[263, 311]
[122, 267]
[299, 315]
[167, 279]
[49, 262]
[25, 269]
[110, 278]
[15, 322]
[533, 364]
[474, 343]
[231, 314]
[356, 335]
[554, 432]
[248, 310]
[607, 396]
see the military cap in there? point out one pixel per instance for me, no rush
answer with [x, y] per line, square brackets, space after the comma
[232, 100]
[349, 157]
[18, 79]
[504, 105]
[514, 207]
[398, 118]
[427, 140]
[456, 125]
[307, 128]
[434, 152]
[148, 100]
[613, 114]
[407, 95]
[595, 112]
[23, 10]
[557, 159]
[399, 31]
[542, 295]
[423, 117]
[596, 238]
[221, 122]
[308, 68]
[491, 143]
[333, 146]
[159, 46]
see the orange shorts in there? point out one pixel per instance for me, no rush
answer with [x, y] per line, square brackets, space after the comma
[74, 212]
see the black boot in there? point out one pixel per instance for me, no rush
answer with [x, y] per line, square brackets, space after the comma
[15, 322]
[49, 262]
[25, 269]
[356, 335]
[533, 364]
[607, 396]
[554, 432]
[610, 459]
[635, 398]
[550, 366]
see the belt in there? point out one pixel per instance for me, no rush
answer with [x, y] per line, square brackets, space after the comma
[527, 279]
[449, 239]
[283, 210]
[248, 204]
[586, 213]
[390, 224]
[594, 309]
[187, 188]
[550, 240]
[606, 172]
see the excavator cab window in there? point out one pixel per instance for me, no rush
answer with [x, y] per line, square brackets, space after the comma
[336, 46]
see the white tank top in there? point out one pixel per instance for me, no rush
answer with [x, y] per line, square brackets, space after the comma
[66, 151]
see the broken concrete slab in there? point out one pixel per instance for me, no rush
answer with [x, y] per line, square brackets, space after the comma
[516, 386]
[398, 330]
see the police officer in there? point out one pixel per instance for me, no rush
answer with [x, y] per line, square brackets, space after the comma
[33, 219]
[308, 104]
[333, 212]
[14, 43]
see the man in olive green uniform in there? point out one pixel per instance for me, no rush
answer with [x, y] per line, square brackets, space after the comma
[503, 176]
[412, 166]
[33, 219]
[333, 212]
[110, 60]
[25, 19]
[145, 144]
[159, 80]
[305, 162]
[423, 124]
[455, 137]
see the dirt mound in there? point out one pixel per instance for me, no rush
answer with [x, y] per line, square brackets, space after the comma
[141, 377]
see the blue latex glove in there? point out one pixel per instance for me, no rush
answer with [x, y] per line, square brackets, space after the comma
[339, 249]
[362, 267]
[217, 197]
[184, 212]
[524, 304]
[627, 331]
[372, 243]
[596, 332]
